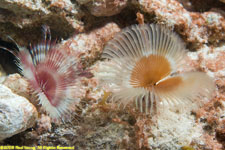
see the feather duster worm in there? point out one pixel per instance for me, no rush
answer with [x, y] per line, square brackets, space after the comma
[141, 66]
[52, 75]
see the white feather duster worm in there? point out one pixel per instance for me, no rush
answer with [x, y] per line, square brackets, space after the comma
[141, 65]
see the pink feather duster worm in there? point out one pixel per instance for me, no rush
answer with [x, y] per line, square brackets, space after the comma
[52, 75]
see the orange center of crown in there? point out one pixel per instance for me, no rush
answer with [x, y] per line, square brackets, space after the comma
[149, 70]
[169, 84]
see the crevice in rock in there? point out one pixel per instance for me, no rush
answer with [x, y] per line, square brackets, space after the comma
[7, 60]
[201, 5]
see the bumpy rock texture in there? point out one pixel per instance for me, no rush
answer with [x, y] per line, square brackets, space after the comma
[17, 113]
[200, 23]
[18, 18]
[104, 8]
[207, 27]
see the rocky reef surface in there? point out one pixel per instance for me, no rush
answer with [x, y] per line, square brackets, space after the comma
[84, 27]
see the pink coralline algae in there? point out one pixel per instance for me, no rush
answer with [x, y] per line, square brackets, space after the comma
[197, 28]
[88, 46]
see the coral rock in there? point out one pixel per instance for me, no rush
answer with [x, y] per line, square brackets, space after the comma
[211, 60]
[88, 46]
[18, 85]
[17, 113]
[44, 123]
[63, 16]
[104, 7]
[173, 130]
[197, 28]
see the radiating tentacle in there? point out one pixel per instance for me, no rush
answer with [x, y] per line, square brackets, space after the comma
[140, 65]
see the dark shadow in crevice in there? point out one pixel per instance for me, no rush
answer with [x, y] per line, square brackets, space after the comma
[125, 18]
[201, 5]
[20, 139]
[8, 60]
[33, 33]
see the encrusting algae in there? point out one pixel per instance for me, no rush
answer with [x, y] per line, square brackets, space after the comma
[142, 64]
